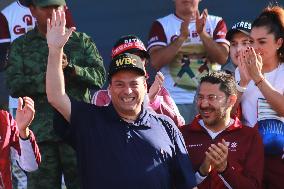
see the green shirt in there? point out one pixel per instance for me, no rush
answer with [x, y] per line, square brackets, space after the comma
[26, 73]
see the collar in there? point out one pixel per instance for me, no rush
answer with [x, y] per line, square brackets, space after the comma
[195, 125]
[143, 119]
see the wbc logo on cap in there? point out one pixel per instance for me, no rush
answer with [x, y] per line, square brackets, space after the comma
[125, 60]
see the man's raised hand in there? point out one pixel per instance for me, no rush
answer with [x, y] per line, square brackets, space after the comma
[56, 34]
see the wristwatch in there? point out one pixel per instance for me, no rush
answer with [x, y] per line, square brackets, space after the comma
[239, 88]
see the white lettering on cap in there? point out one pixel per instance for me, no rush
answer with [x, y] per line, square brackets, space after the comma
[242, 24]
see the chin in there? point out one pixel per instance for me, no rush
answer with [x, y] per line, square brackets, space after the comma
[208, 122]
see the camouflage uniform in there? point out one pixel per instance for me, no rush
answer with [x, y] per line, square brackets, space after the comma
[26, 77]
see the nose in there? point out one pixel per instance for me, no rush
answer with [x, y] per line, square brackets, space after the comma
[239, 48]
[128, 90]
[203, 103]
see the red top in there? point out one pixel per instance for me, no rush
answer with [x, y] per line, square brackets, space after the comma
[245, 158]
[9, 138]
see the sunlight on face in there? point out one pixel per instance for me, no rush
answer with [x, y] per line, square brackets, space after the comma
[127, 90]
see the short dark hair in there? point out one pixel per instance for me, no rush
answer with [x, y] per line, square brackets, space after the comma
[226, 81]
[272, 17]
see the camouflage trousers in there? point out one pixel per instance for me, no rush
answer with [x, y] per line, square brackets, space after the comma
[57, 158]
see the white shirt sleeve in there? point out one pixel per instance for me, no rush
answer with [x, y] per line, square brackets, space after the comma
[27, 159]
[199, 178]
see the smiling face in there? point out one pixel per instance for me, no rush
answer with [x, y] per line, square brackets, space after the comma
[127, 90]
[213, 106]
[239, 41]
[265, 44]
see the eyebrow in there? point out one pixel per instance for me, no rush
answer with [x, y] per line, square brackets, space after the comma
[261, 38]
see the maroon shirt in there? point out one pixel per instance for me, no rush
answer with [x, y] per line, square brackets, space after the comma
[245, 158]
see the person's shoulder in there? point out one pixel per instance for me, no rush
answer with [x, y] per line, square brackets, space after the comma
[214, 17]
[168, 17]
[79, 38]
[10, 7]
[164, 120]
[4, 117]
[249, 131]
[281, 66]
[80, 105]
[79, 35]
[215, 20]
[26, 37]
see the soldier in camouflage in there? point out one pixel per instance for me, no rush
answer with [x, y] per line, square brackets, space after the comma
[83, 69]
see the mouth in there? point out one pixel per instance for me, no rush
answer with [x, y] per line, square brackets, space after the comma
[128, 99]
[206, 112]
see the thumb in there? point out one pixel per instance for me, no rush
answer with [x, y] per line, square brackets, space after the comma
[197, 14]
[20, 103]
[69, 32]
[259, 58]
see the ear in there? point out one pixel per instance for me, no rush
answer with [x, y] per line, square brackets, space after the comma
[279, 42]
[145, 85]
[232, 99]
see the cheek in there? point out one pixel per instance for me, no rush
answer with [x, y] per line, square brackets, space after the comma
[233, 51]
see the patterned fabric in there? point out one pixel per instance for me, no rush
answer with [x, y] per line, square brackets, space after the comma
[26, 74]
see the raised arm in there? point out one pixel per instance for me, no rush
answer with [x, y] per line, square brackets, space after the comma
[56, 38]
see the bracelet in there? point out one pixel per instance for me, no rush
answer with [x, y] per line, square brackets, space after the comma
[261, 80]
[239, 88]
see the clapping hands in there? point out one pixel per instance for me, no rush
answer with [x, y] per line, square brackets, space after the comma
[251, 64]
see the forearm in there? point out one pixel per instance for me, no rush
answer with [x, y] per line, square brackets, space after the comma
[237, 179]
[162, 56]
[216, 52]
[273, 97]
[55, 87]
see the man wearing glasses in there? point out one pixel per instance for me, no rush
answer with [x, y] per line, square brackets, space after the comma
[224, 153]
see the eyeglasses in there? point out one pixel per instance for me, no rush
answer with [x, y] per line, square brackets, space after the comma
[210, 98]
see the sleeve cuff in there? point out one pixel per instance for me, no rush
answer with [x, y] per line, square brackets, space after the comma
[25, 139]
[199, 178]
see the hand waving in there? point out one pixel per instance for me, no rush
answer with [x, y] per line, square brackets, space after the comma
[56, 34]
[156, 86]
[24, 115]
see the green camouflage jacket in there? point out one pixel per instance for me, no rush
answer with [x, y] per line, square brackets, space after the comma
[26, 70]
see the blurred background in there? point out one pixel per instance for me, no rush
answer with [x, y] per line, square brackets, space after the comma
[106, 20]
